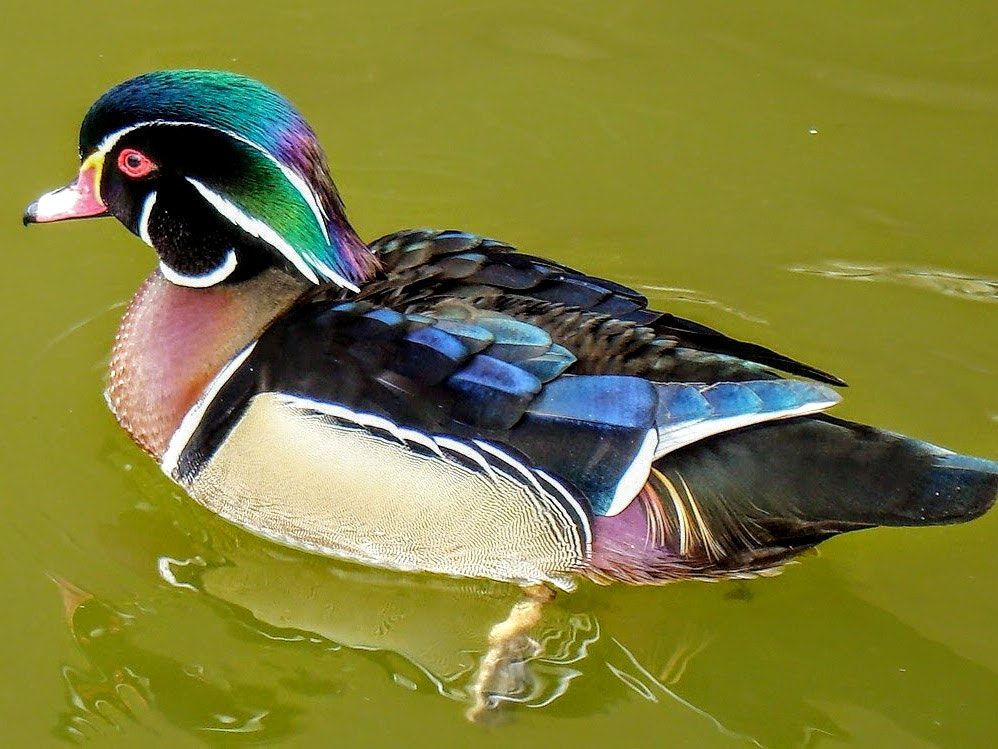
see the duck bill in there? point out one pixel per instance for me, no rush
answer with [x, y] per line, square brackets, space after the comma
[80, 199]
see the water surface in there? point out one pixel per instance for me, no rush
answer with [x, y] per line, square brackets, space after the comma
[818, 179]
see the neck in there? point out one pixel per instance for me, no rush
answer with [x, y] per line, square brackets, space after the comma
[354, 259]
[358, 263]
[173, 340]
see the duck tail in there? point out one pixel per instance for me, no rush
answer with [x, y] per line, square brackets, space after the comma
[821, 469]
[743, 502]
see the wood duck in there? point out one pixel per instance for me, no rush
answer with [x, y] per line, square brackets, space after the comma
[438, 401]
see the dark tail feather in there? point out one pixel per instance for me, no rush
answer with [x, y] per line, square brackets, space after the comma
[748, 500]
[822, 469]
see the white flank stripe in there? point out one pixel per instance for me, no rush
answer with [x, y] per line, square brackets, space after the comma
[354, 417]
[330, 409]
[512, 463]
[144, 215]
[569, 505]
[402, 434]
[573, 503]
[212, 277]
[635, 476]
[531, 475]
[411, 435]
[673, 437]
[463, 449]
[192, 419]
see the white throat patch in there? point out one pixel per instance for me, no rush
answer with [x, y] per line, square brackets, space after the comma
[203, 281]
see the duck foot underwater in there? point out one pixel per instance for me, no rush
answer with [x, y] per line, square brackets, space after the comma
[503, 671]
[437, 401]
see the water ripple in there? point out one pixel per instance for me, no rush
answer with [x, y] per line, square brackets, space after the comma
[692, 295]
[946, 282]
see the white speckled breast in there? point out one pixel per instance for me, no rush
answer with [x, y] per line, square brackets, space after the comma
[305, 479]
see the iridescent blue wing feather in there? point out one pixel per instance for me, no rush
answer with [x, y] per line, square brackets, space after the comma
[688, 413]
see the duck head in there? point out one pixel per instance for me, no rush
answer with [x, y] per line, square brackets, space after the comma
[219, 174]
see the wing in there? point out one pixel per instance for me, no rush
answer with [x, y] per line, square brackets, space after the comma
[491, 391]
[607, 326]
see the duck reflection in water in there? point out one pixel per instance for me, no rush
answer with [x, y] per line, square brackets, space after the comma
[735, 658]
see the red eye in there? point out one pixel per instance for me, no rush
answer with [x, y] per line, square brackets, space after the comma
[134, 163]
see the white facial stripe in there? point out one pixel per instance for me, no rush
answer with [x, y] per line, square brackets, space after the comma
[192, 419]
[301, 187]
[147, 205]
[293, 177]
[212, 277]
[203, 281]
[255, 227]
[258, 228]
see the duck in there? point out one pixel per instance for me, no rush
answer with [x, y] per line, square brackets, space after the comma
[437, 401]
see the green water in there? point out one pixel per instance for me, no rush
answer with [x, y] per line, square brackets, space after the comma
[819, 178]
